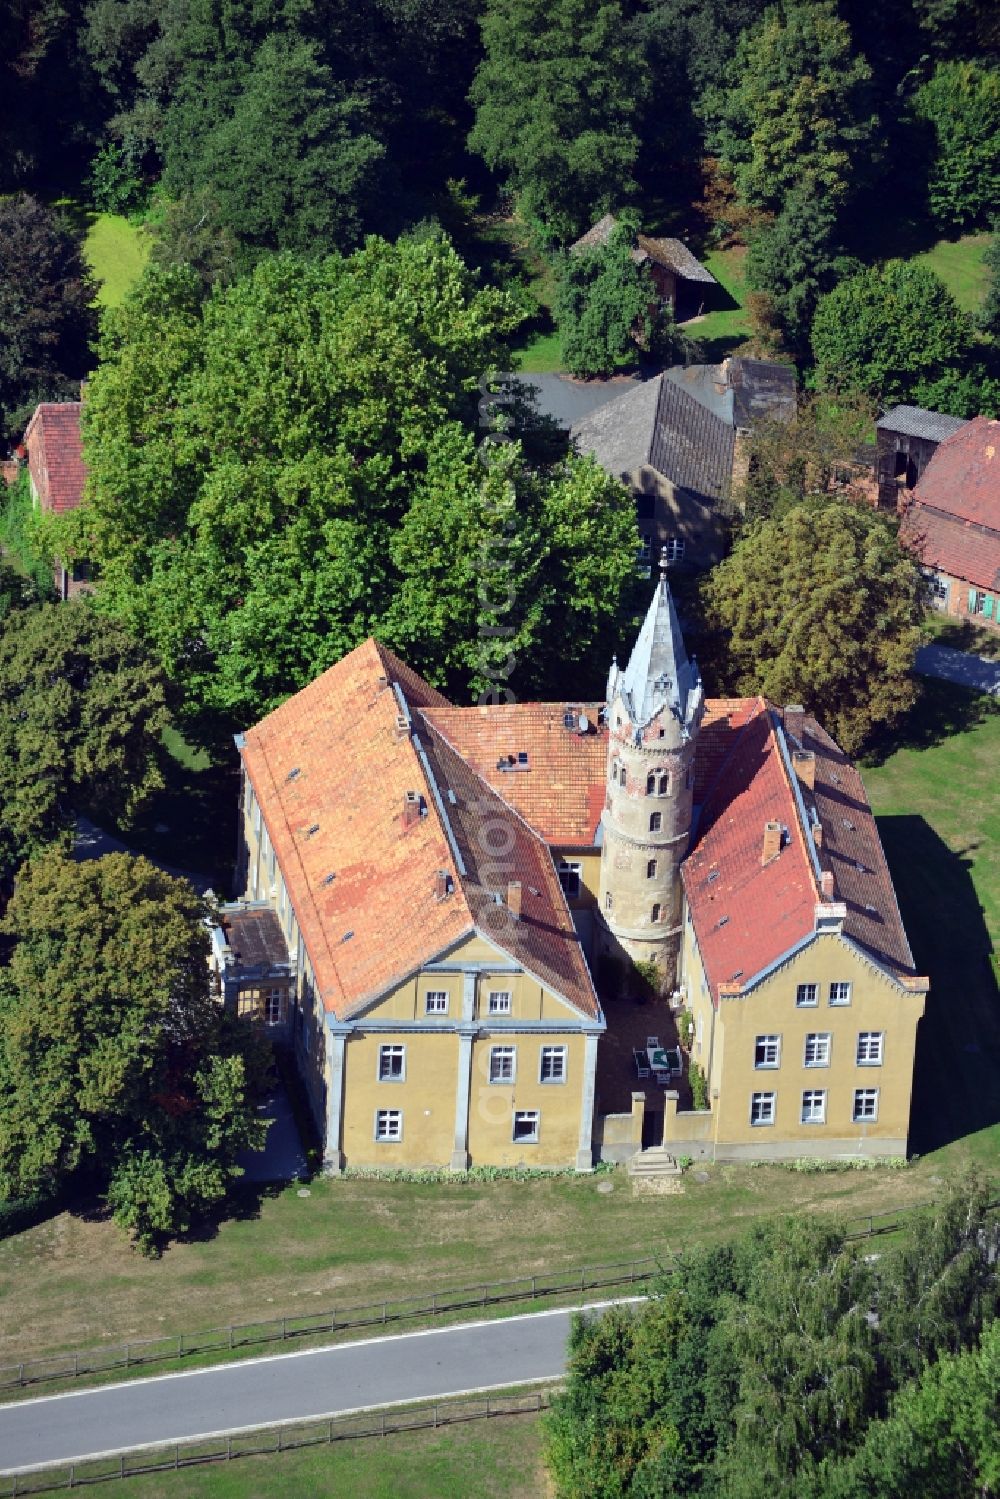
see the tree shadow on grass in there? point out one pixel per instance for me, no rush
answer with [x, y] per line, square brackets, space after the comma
[941, 711]
[956, 1087]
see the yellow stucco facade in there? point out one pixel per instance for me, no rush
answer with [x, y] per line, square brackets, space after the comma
[816, 1058]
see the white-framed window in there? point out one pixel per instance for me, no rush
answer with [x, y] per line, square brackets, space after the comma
[762, 1108]
[502, 1064]
[767, 1051]
[865, 1105]
[436, 1002]
[498, 1002]
[840, 993]
[388, 1124]
[655, 821]
[392, 1063]
[569, 871]
[806, 995]
[814, 1106]
[870, 1044]
[274, 1006]
[817, 1049]
[526, 1125]
[552, 1064]
[675, 549]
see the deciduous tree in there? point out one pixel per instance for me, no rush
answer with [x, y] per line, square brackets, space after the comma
[605, 303]
[889, 329]
[820, 606]
[116, 1064]
[961, 104]
[82, 711]
[556, 100]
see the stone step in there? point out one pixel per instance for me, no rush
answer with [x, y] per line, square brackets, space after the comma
[654, 1162]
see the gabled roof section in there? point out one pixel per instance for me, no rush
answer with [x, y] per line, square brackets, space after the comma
[746, 913]
[852, 851]
[953, 520]
[917, 421]
[378, 894]
[659, 674]
[675, 256]
[331, 769]
[53, 436]
[690, 445]
[672, 254]
[560, 790]
[497, 846]
[740, 392]
[620, 433]
[659, 425]
[749, 914]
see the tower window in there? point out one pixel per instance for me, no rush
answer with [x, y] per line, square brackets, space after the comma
[609, 901]
[664, 786]
[650, 784]
[655, 913]
[622, 776]
[655, 822]
[651, 869]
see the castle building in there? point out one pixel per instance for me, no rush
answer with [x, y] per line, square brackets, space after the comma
[427, 892]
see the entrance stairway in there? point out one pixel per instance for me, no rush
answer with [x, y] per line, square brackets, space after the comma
[653, 1162]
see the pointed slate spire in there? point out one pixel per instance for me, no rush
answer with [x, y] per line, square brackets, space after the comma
[659, 673]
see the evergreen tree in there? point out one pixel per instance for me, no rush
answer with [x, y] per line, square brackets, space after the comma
[46, 311]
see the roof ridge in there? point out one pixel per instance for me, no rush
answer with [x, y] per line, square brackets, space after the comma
[795, 790]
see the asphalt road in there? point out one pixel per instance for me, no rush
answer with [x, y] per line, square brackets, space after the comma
[289, 1387]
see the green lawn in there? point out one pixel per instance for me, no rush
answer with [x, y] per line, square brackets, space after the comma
[959, 263]
[939, 815]
[116, 251]
[721, 331]
[495, 1459]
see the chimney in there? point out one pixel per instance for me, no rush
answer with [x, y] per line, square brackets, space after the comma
[794, 716]
[804, 765]
[514, 898]
[826, 884]
[411, 809]
[772, 842]
[442, 885]
[818, 834]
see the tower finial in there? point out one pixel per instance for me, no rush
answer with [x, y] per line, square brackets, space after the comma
[663, 563]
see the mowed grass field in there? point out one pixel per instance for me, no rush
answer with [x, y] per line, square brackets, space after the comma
[959, 263]
[496, 1459]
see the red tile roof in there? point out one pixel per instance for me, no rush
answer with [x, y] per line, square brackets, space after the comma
[953, 520]
[382, 917]
[747, 915]
[561, 793]
[55, 455]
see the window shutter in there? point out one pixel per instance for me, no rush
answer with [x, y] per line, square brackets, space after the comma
[972, 601]
[988, 606]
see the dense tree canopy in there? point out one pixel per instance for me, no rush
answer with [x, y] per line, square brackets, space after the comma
[764, 1368]
[82, 711]
[115, 1061]
[821, 606]
[892, 331]
[961, 104]
[291, 465]
[794, 112]
[605, 304]
[45, 311]
[556, 103]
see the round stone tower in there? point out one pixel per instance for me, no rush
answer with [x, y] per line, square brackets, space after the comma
[654, 709]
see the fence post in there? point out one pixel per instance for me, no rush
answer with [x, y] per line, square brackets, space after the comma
[284, 1324]
[330, 1434]
[230, 1335]
[121, 1467]
[435, 1416]
[279, 1438]
[76, 1363]
[534, 1288]
[385, 1312]
[72, 1475]
[382, 1424]
[229, 1449]
[434, 1301]
[126, 1355]
[20, 1380]
[177, 1457]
